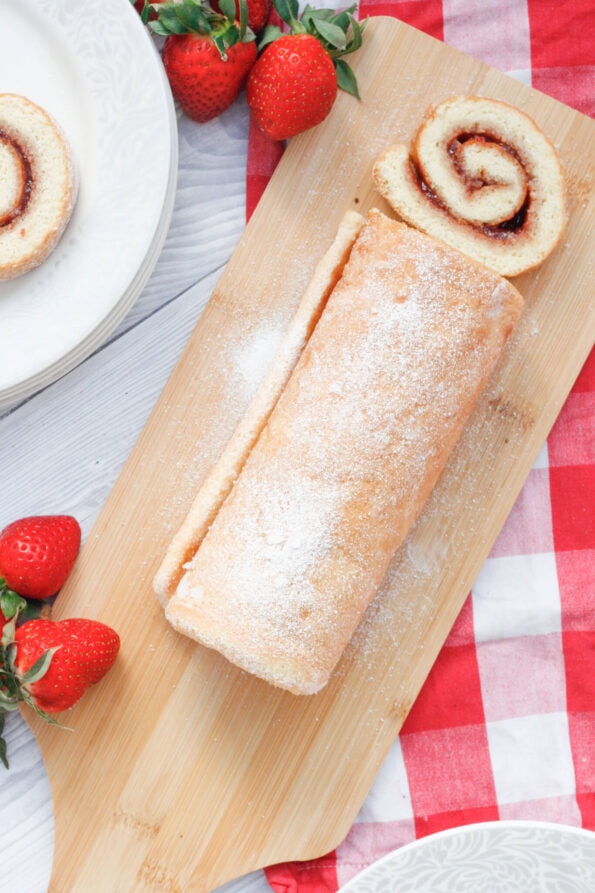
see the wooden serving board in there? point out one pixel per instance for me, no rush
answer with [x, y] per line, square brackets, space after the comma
[183, 772]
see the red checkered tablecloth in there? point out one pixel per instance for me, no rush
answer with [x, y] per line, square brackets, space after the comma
[504, 727]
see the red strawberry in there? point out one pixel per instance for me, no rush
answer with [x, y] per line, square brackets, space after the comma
[292, 87]
[204, 83]
[258, 12]
[73, 654]
[145, 10]
[294, 84]
[206, 55]
[37, 553]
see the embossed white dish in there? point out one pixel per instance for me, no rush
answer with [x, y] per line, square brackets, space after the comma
[491, 857]
[96, 70]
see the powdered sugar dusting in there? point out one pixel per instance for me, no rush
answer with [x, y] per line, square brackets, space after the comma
[256, 354]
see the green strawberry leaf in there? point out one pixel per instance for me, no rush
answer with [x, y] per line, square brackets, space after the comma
[357, 35]
[346, 79]
[8, 631]
[188, 17]
[269, 34]
[47, 717]
[168, 22]
[196, 17]
[288, 11]
[37, 670]
[145, 12]
[191, 16]
[7, 705]
[9, 687]
[332, 33]
[11, 603]
[244, 15]
[3, 749]
[228, 8]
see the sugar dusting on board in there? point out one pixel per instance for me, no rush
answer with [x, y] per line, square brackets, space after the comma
[347, 459]
[255, 354]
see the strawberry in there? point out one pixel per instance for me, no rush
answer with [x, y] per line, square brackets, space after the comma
[146, 10]
[258, 12]
[37, 554]
[50, 663]
[293, 85]
[207, 55]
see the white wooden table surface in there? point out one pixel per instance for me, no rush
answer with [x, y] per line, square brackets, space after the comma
[62, 449]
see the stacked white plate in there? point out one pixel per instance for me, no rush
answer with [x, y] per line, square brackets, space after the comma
[96, 70]
[489, 857]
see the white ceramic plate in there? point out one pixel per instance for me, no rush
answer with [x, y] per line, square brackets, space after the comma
[96, 70]
[493, 857]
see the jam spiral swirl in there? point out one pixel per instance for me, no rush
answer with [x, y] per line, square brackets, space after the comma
[37, 185]
[482, 177]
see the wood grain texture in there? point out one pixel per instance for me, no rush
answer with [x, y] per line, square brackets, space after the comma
[182, 771]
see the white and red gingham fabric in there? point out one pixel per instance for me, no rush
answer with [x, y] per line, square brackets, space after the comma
[504, 727]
